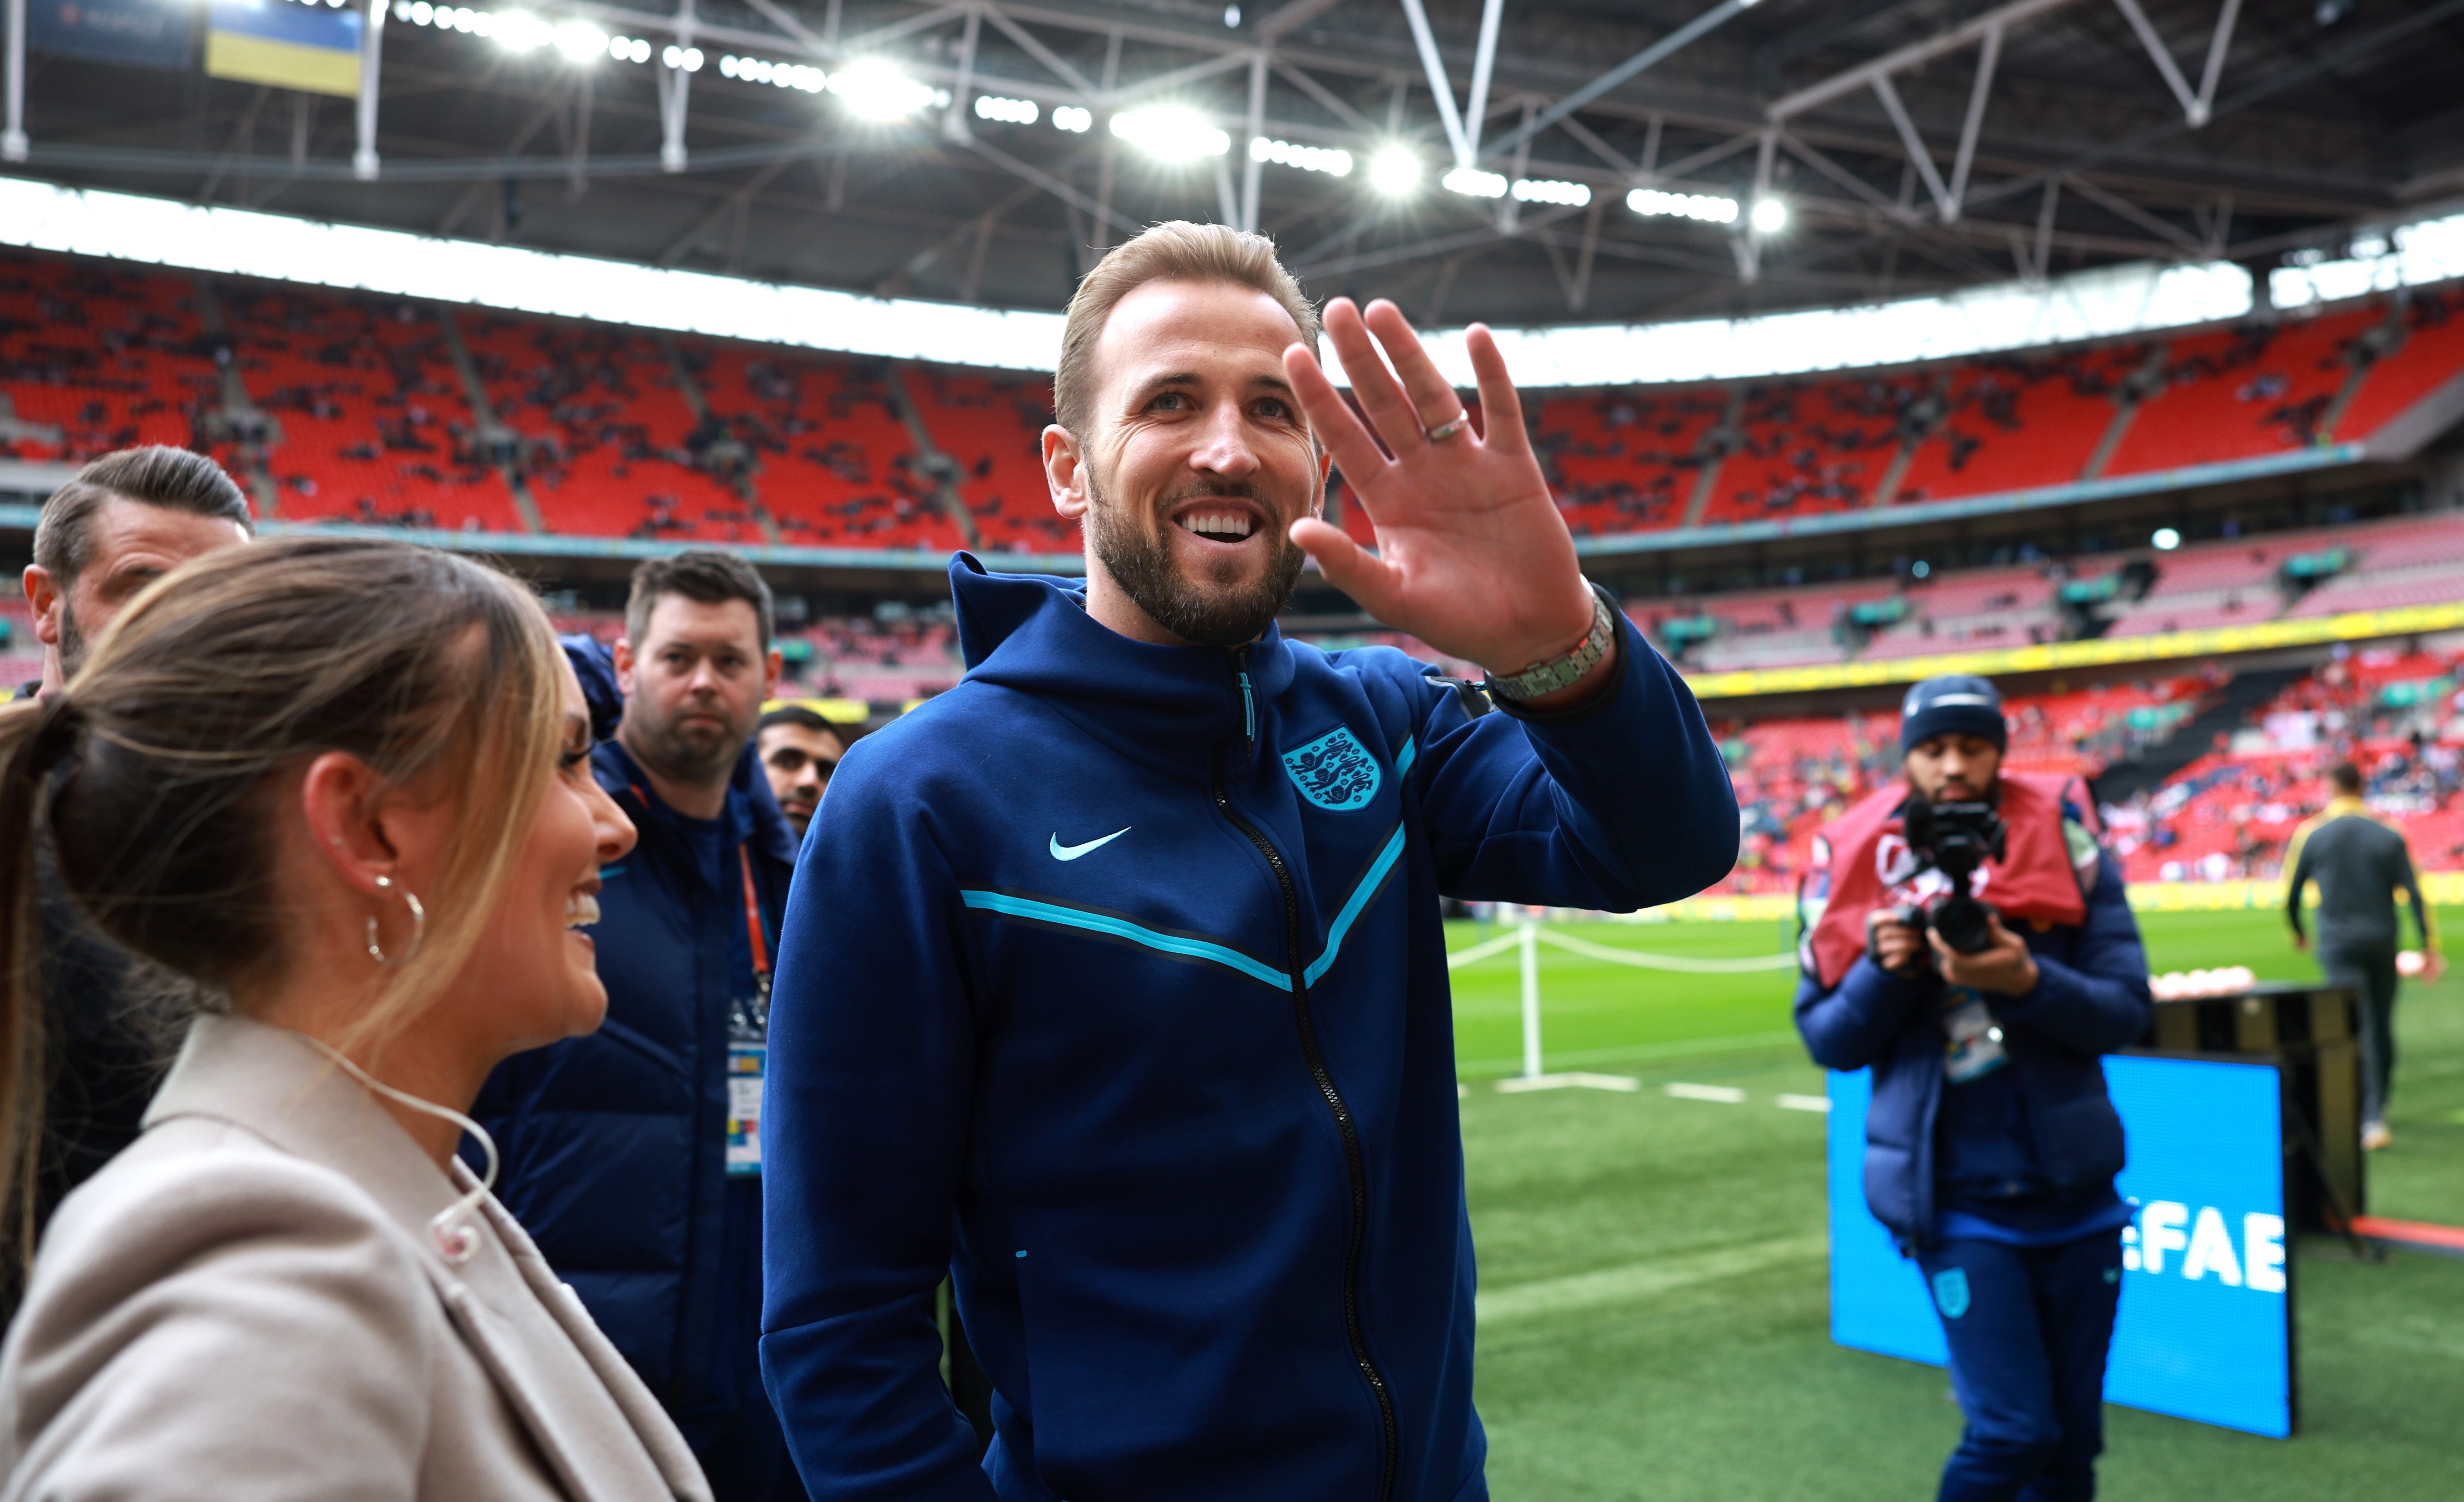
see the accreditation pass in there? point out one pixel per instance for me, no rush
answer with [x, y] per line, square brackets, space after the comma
[744, 1065]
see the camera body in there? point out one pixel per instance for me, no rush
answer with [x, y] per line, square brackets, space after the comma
[1955, 839]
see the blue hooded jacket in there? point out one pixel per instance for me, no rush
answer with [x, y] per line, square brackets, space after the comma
[613, 1144]
[2091, 999]
[1122, 995]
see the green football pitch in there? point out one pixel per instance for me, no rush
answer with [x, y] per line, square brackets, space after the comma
[1654, 1310]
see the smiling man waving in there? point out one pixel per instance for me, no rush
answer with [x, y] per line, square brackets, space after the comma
[1134, 1017]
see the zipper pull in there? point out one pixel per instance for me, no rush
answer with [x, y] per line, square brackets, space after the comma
[1248, 701]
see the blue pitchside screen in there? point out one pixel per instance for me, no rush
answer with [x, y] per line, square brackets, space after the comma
[2207, 1307]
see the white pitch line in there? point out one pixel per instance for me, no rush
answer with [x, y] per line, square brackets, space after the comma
[1815, 1103]
[1723, 1095]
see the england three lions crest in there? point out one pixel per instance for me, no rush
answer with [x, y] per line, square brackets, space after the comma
[1334, 771]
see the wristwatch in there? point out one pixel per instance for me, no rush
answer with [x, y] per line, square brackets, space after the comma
[1557, 673]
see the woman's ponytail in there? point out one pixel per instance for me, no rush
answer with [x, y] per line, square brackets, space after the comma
[34, 736]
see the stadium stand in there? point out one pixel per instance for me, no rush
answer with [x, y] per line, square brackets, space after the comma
[2064, 403]
[993, 426]
[2229, 813]
[2429, 357]
[369, 422]
[1803, 447]
[2225, 815]
[613, 432]
[93, 359]
[832, 462]
[2235, 393]
[2289, 575]
[1794, 775]
[1626, 461]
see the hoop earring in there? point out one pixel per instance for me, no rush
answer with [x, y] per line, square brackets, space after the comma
[418, 926]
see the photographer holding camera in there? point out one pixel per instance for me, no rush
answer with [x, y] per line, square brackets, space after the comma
[1978, 953]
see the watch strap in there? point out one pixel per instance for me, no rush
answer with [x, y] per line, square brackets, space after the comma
[1543, 679]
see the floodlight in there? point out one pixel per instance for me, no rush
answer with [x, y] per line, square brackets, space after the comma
[1708, 207]
[878, 91]
[2165, 539]
[1170, 133]
[1473, 183]
[1075, 118]
[1395, 170]
[689, 59]
[1550, 190]
[422, 13]
[1770, 215]
[581, 42]
[1332, 161]
[523, 31]
[1010, 111]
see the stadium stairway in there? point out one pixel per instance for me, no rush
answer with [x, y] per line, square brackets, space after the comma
[2147, 767]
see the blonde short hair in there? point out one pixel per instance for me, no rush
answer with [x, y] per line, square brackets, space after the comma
[1178, 251]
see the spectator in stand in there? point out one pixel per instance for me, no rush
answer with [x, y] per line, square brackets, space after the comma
[799, 751]
[289, 1287]
[635, 1154]
[125, 520]
[2360, 864]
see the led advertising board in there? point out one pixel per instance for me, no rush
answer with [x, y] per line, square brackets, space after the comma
[2206, 1328]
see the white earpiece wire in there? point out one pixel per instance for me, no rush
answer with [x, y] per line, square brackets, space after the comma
[455, 1240]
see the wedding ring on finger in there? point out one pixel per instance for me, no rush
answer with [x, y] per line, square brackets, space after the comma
[1447, 430]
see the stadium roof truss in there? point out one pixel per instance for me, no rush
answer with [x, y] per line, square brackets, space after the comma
[984, 150]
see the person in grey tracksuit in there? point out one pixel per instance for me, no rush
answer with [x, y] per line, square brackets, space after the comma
[2359, 863]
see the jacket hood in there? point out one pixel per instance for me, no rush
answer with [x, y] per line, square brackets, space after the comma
[1031, 632]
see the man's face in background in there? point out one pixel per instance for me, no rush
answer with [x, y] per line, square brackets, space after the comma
[694, 687]
[799, 760]
[1953, 769]
[130, 545]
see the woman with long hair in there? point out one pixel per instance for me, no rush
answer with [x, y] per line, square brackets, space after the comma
[341, 787]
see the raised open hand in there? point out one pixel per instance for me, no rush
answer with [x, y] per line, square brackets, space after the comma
[1472, 557]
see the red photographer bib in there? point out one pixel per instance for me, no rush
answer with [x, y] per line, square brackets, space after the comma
[1871, 866]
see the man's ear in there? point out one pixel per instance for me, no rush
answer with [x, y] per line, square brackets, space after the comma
[772, 663]
[1064, 471]
[46, 601]
[622, 656]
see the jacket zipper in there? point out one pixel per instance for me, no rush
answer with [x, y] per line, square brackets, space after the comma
[1355, 1163]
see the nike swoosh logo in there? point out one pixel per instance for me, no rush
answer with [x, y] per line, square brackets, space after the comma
[1060, 852]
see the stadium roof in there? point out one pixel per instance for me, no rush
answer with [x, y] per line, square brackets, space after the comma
[1616, 154]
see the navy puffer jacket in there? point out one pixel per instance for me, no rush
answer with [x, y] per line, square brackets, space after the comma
[2091, 999]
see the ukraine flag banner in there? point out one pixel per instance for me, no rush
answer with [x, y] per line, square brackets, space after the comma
[289, 45]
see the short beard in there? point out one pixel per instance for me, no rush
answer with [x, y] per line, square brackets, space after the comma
[680, 757]
[1140, 562]
[72, 643]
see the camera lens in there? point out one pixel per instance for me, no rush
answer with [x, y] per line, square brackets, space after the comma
[1963, 923]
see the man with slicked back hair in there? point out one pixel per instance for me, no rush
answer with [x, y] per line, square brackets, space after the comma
[125, 520]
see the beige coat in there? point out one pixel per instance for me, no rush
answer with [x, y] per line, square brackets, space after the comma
[249, 1303]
